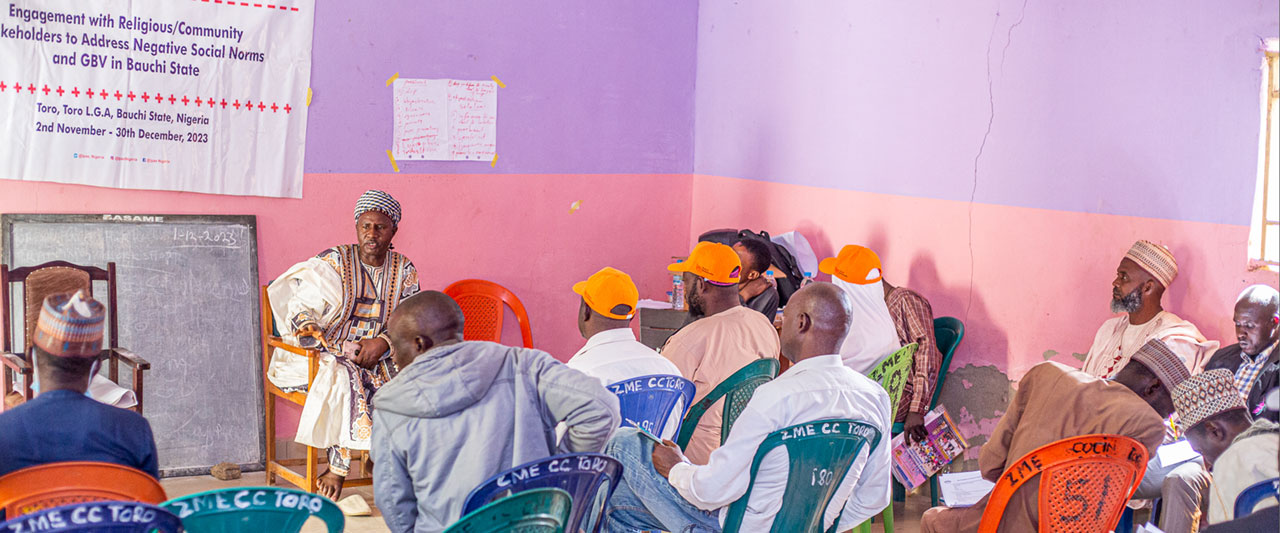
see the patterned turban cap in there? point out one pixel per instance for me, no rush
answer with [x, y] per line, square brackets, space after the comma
[1204, 395]
[1166, 365]
[1155, 259]
[70, 325]
[375, 200]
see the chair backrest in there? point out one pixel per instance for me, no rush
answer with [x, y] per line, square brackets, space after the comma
[247, 509]
[481, 302]
[819, 454]
[736, 390]
[1084, 483]
[98, 517]
[947, 332]
[57, 484]
[647, 402]
[588, 477]
[40, 281]
[892, 373]
[1249, 497]
[544, 510]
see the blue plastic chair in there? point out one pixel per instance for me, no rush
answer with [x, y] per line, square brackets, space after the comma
[588, 477]
[98, 517]
[1256, 492]
[237, 509]
[648, 402]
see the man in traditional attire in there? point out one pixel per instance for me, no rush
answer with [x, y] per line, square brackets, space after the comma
[1055, 402]
[1242, 451]
[338, 302]
[1144, 274]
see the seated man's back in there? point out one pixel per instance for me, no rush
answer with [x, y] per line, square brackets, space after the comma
[462, 412]
[64, 425]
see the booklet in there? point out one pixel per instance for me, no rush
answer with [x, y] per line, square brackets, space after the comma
[914, 463]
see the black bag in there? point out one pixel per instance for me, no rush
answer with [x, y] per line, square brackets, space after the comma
[779, 257]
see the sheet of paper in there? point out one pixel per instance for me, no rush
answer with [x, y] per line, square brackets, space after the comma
[445, 120]
[1175, 453]
[963, 489]
[653, 304]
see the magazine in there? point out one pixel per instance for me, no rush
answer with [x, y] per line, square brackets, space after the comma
[914, 463]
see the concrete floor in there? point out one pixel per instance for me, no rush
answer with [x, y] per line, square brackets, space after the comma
[906, 516]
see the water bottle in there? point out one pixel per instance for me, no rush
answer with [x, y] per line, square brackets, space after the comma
[677, 292]
[768, 276]
[808, 278]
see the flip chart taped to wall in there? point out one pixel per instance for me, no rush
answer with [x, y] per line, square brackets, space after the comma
[445, 120]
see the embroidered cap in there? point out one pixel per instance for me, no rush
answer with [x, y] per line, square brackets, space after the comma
[1155, 259]
[70, 325]
[712, 261]
[375, 200]
[1165, 364]
[607, 289]
[855, 264]
[1204, 395]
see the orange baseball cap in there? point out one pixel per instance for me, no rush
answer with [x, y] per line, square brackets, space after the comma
[607, 289]
[855, 264]
[713, 262]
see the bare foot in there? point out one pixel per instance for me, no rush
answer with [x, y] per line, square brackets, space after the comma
[330, 485]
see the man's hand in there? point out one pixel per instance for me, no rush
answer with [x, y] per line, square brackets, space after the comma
[665, 456]
[913, 428]
[370, 351]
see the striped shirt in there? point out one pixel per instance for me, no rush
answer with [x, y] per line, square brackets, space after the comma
[913, 318]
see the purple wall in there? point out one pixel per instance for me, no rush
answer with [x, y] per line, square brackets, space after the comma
[1137, 108]
[591, 87]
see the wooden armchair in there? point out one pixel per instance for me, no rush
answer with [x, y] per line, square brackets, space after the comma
[305, 479]
[57, 277]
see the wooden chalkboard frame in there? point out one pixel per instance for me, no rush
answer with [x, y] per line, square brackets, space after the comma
[8, 220]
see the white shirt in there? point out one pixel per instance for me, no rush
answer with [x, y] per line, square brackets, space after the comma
[813, 389]
[615, 355]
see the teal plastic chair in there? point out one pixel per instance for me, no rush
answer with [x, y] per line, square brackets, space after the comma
[819, 455]
[892, 374]
[246, 509]
[544, 510]
[947, 333]
[736, 390]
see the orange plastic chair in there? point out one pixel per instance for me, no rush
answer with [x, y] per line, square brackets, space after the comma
[481, 302]
[57, 484]
[1084, 483]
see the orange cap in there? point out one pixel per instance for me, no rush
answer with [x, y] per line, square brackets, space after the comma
[713, 262]
[608, 289]
[855, 264]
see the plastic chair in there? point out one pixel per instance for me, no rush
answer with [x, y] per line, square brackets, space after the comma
[1256, 492]
[98, 517]
[57, 484]
[237, 509]
[736, 390]
[544, 510]
[892, 374]
[589, 478]
[819, 455]
[481, 302]
[1084, 483]
[947, 333]
[648, 402]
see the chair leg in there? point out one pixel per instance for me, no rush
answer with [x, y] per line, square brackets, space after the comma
[887, 517]
[311, 470]
[933, 489]
[269, 431]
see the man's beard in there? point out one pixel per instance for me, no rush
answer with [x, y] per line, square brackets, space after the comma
[1129, 303]
[693, 301]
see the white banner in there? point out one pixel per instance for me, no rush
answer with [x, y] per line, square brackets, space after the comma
[187, 95]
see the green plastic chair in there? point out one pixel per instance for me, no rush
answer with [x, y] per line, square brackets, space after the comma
[819, 455]
[947, 332]
[892, 374]
[237, 509]
[544, 510]
[736, 390]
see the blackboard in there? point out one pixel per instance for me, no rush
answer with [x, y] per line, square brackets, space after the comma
[188, 303]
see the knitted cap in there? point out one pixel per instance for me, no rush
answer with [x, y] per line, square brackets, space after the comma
[70, 325]
[1204, 395]
[1166, 365]
[1155, 259]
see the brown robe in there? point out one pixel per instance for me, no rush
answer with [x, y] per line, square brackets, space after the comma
[1053, 402]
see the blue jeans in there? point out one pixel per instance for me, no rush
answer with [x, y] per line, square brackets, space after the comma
[645, 500]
